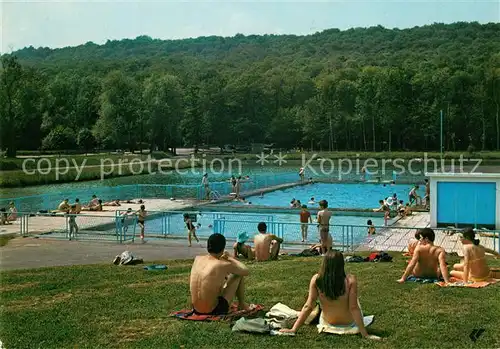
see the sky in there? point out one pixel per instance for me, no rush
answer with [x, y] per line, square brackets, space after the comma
[70, 23]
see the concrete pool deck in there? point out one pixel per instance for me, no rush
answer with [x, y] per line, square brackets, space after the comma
[394, 239]
[93, 219]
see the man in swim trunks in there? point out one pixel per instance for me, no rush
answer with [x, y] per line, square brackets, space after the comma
[211, 294]
[78, 205]
[241, 249]
[141, 217]
[429, 261]
[305, 218]
[326, 240]
[73, 226]
[324, 215]
[267, 246]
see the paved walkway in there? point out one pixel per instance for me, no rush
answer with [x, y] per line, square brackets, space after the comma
[21, 253]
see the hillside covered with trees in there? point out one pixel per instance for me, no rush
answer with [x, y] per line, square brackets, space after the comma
[359, 89]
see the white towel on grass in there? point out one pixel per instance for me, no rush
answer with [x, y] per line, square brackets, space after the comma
[324, 326]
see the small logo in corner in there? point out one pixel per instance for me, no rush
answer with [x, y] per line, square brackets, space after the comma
[475, 334]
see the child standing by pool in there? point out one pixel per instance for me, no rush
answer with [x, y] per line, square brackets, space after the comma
[191, 228]
[305, 218]
[371, 227]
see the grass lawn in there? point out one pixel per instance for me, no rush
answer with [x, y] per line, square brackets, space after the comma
[107, 306]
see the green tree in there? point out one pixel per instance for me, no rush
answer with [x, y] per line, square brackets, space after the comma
[59, 138]
[119, 112]
[85, 140]
[163, 103]
[20, 106]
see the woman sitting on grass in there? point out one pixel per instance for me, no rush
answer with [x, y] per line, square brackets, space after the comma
[474, 266]
[338, 297]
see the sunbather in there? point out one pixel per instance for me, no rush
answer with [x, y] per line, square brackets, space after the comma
[338, 296]
[429, 261]
[413, 243]
[267, 246]
[210, 292]
[241, 249]
[64, 206]
[112, 203]
[97, 207]
[474, 266]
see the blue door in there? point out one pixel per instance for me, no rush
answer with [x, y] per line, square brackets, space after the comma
[466, 203]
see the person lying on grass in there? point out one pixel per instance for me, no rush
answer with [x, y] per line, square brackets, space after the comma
[429, 261]
[338, 296]
[267, 246]
[216, 279]
[474, 266]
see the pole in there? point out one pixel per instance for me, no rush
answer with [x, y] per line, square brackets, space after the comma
[441, 149]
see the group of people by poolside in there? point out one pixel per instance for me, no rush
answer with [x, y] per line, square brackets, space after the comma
[96, 204]
[429, 260]
[392, 203]
[219, 277]
[7, 216]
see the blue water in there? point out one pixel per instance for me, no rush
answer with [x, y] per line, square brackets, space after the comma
[231, 224]
[360, 196]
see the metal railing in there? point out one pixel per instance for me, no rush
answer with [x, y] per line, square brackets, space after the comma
[162, 225]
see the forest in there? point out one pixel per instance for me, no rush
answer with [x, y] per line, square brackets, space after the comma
[362, 89]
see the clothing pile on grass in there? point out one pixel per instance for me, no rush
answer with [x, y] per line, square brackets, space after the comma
[127, 258]
[281, 316]
[373, 257]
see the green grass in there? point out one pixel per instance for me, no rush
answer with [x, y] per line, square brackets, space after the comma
[13, 164]
[107, 306]
[4, 239]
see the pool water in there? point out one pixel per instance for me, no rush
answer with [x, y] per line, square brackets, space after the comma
[231, 224]
[358, 196]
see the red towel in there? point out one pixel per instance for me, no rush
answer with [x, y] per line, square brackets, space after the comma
[189, 314]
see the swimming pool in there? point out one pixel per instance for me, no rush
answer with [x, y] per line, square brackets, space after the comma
[338, 195]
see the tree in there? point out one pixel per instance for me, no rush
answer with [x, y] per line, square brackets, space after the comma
[59, 138]
[163, 102]
[85, 140]
[19, 103]
[119, 112]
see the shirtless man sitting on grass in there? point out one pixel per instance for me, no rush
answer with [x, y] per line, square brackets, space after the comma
[267, 246]
[429, 261]
[216, 279]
